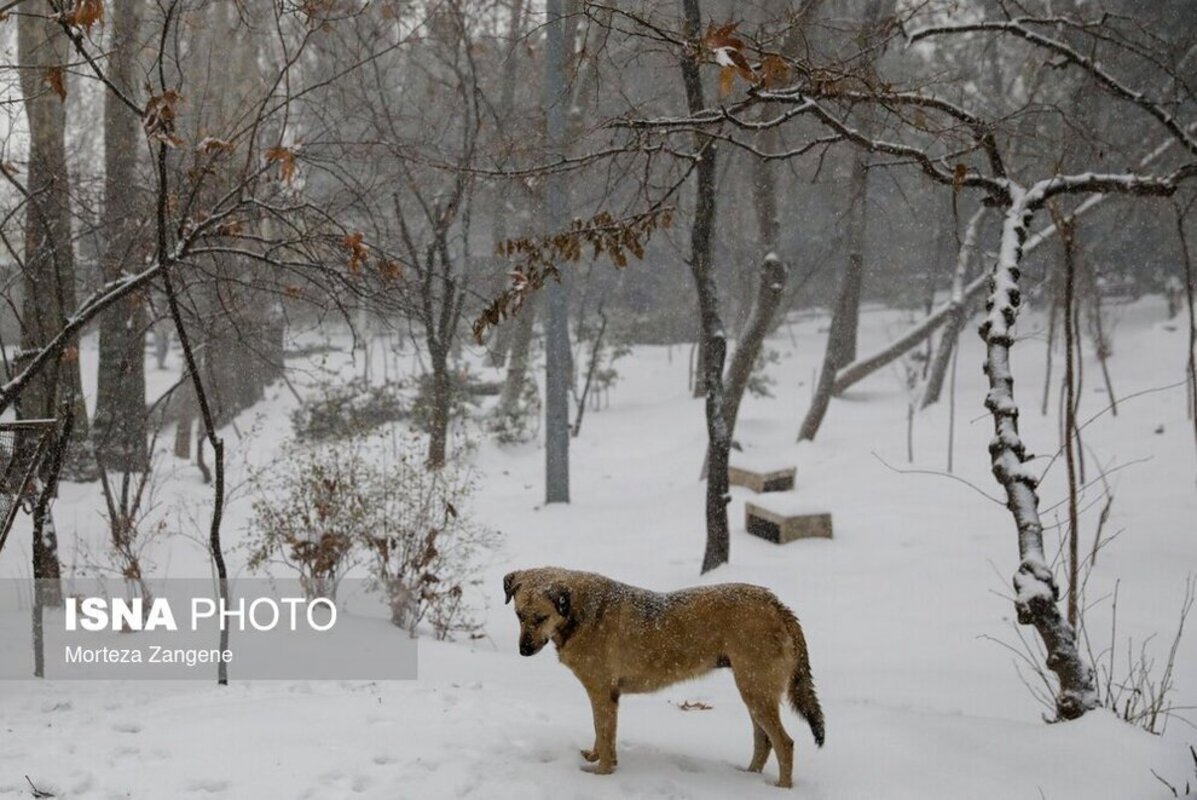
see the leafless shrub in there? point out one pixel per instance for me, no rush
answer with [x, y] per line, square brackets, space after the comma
[313, 506]
[1140, 690]
[370, 500]
[425, 548]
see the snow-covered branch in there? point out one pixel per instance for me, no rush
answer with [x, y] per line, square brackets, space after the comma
[1036, 593]
[1019, 27]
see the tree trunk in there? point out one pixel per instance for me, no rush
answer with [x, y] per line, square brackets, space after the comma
[517, 363]
[505, 341]
[770, 287]
[1035, 590]
[848, 309]
[121, 428]
[557, 353]
[49, 269]
[1071, 442]
[237, 340]
[1190, 291]
[957, 317]
[442, 398]
[845, 318]
[714, 338]
[769, 293]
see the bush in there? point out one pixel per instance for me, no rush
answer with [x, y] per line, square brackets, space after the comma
[347, 410]
[424, 552]
[369, 500]
[760, 384]
[464, 390]
[514, 423]
[315, 506]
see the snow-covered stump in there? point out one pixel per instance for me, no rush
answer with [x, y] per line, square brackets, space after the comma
[783, 518]
[1035, 591]
[762, 478]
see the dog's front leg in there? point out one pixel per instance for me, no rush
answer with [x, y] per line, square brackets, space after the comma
[604, 702]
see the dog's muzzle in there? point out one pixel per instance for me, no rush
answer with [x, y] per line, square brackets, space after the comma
[527, 648]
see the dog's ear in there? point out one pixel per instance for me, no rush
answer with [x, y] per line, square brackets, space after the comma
[559, 597]
[510, 585]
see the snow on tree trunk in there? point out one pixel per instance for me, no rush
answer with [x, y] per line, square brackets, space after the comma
[1036, 593]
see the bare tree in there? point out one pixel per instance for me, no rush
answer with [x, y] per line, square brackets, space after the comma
[939, 157]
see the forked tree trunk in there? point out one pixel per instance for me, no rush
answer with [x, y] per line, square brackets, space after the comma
[1035, 592]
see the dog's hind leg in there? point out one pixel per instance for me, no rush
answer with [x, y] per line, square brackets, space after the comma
[760, 748]
[762, 698]
[765, 712]
[761, 745]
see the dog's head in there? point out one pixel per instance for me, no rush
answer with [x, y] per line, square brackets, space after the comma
[543, 608]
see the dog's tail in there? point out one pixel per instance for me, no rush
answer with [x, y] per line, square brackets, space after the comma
[801, 689]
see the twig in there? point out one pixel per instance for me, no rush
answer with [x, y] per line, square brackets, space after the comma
[36, 791]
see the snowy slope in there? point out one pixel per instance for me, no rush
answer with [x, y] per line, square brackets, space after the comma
[900, 611]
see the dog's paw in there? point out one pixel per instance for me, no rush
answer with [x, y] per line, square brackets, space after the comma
[599, 769]
[589, 755]
[784, 784]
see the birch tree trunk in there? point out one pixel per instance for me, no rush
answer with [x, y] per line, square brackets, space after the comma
[120, 429]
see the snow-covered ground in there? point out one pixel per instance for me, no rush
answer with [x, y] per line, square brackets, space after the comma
[905, 609]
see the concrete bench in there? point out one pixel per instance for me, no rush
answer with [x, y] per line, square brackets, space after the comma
[761, 478]
[784, 518]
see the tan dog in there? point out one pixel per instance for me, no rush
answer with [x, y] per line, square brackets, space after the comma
[620, 639]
